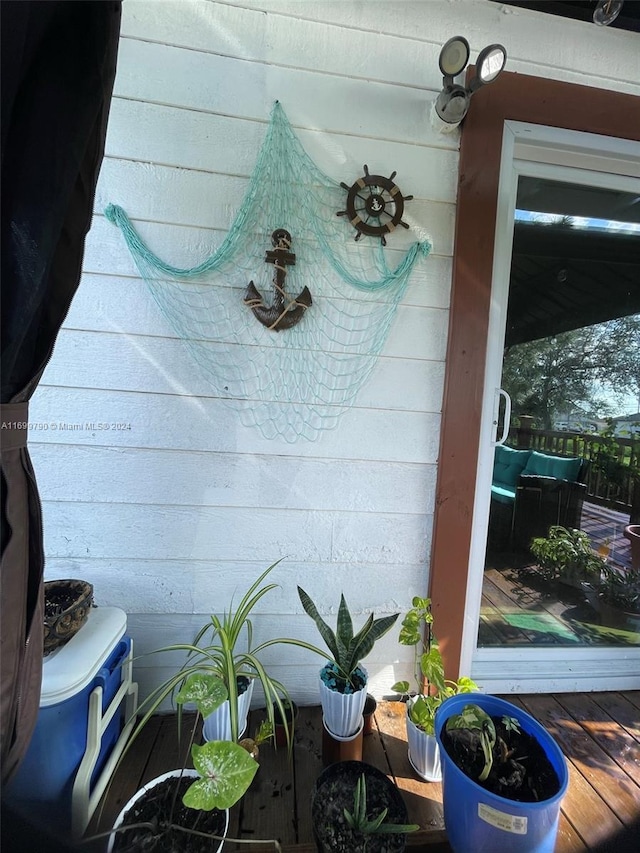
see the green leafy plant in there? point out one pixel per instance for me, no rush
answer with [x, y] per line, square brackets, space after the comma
[510, 724]
[221, 653]
[474, 719]
[565, 551]
[359, 822]
[620, 589]
[417, 631]
[346, 648]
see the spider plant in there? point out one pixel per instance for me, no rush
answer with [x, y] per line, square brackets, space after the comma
[221, 652]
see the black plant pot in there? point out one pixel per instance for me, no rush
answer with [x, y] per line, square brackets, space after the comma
[334, 791]
[281, 726]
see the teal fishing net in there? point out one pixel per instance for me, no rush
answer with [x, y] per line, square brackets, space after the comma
[295, 382]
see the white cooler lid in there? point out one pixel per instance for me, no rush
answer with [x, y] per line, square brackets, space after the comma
[68, 670]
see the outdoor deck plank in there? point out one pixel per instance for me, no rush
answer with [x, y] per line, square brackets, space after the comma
[268, 808]
[622, 709]
[585, 817]
[307, 765]
[423, 799]
[529, 599]
[603, 794]
[124, 784]
[608, 733]
[588, 757]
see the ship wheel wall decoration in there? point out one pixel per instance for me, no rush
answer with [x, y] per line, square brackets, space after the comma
[374, 205]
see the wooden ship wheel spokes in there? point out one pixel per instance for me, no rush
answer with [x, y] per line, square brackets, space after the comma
[374, 205]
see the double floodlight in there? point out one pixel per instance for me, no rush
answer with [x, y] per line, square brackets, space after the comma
[453, 101]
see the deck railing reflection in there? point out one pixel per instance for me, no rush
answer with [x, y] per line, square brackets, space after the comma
[613, 481]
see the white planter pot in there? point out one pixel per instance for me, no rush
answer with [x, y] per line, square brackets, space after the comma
[424, 754]
[217, 726]
[343, 739]
[192, 774]
[342, 712]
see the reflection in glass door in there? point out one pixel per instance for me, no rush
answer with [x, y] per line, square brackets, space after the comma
[560, 566]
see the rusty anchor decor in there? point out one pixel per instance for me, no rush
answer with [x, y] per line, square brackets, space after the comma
[374, 205]
[285, 311]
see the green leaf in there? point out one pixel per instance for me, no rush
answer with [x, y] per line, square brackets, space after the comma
[472, 717]
[378, 628]
[423, 711]
[432, 667]
[206, 691]
[325, 631]
[344, 628]
[401, 687]
[226, 771]
[466, 685]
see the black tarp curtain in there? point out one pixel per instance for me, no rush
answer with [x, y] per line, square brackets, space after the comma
[58, 68]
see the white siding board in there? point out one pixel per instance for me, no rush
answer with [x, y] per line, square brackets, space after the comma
[165, 366]
[175, 76]
[181, 588]
[144, 531]
[211, 143]
[203, 200]
[191, 423]
[173, 517]
[107, 256]
[559, 46]
[266, 39]
[96, 475]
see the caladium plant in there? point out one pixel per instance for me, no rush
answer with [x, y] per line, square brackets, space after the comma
[226, 771]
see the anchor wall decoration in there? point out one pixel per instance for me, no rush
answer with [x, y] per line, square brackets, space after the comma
[285, 311]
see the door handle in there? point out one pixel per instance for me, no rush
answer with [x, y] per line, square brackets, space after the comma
[500, 392]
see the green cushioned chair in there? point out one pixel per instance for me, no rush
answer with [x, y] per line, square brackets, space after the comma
[530, 492]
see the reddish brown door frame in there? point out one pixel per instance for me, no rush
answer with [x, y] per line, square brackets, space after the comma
[519, 98]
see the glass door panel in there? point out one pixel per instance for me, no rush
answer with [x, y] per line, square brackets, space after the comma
[565, 483]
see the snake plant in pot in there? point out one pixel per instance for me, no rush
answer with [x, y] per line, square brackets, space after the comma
[417, 631]
[343, 679]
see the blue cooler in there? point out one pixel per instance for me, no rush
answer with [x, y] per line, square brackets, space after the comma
[87, 696]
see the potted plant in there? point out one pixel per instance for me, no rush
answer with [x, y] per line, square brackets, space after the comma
[504, 776]
[566, 555]
[417, 631]
[221, 656]
[284, 723]
[617, 597]
[343, 680]
[632, 533]
[189, 809]
[223, 650]
[356, 808]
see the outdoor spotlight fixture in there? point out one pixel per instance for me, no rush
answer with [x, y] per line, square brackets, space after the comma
[453, 101]
[607, 11]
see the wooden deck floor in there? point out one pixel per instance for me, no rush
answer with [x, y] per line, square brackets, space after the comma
[521, 609]
[599, 733]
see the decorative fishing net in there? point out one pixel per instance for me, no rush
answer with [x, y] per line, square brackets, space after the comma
[293, 382]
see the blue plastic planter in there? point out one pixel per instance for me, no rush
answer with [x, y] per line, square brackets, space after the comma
[478, 821]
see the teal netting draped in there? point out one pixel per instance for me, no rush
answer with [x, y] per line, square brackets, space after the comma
[296, 382]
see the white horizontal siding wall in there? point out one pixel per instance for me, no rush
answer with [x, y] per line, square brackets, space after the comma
[178, 511]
